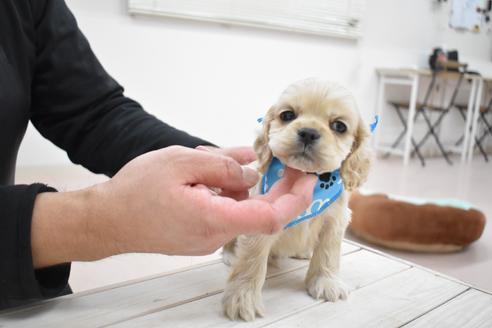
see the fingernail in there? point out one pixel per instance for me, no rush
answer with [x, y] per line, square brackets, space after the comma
[250, 175]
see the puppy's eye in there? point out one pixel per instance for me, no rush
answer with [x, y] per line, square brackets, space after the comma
[338, 126]
[287, 116]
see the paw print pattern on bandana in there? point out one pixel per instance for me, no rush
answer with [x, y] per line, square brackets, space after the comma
[327, 180]
[327, 189]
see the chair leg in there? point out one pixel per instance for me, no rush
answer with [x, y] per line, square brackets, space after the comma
[433, 126]
[478, 141]
[404, 124]
[403, 133]
[459, 141]
[432, 132]
[417, 151]
[487, 124]
[463, 116]
[397, 141]
[478, 144]
[487, 131]
[417, 146]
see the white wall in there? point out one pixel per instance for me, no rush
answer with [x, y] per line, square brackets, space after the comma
[214, 80]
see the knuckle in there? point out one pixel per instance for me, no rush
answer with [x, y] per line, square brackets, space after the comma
[231, 167]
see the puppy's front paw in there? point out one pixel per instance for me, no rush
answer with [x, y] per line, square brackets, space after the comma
[242, 303]
[330, 288]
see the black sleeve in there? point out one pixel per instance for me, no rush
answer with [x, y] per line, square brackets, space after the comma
[80, 108]
[19, 281]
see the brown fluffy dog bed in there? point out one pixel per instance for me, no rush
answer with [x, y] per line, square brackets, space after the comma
[415, 224]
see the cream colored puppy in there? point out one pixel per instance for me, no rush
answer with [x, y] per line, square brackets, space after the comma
[313, 127]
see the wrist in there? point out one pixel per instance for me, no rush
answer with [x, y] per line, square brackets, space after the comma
[65, 228]
[103, 226]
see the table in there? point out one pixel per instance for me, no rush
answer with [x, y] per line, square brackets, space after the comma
[386, 292]
[411, 77]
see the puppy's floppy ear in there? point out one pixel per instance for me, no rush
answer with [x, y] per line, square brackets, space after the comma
[355, 167]
[260, 146]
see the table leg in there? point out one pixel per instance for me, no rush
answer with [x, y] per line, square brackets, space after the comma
[468, 121]
[410, 119]
[379, 109]
[475, 117]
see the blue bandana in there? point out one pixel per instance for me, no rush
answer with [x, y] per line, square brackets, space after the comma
[327, 189]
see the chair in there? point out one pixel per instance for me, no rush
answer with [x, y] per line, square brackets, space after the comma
[399, 106]
[484, 111]
[450, 71]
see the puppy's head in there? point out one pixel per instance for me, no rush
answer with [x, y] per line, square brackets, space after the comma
[315, 127]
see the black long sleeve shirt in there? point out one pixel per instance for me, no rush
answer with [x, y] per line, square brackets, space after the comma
[50, 76]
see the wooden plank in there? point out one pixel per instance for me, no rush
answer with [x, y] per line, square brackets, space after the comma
[418, 266]
[390, 302]
[349, 248]
[282, 295]
[470, 309]
[131, 300]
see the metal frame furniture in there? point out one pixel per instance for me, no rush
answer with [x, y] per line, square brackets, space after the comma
[412, 77]
[487, 130]
[426, 107]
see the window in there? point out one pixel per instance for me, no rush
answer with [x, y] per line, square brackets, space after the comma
[340, 18]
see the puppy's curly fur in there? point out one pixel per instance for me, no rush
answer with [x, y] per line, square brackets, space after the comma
[325, 108]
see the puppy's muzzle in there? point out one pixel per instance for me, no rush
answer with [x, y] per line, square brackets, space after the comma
[308, 136]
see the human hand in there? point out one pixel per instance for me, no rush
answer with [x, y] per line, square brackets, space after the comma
[161, 202]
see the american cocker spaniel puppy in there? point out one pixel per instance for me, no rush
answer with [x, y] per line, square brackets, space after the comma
[314, 127]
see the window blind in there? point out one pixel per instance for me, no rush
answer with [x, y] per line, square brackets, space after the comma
[340, 18]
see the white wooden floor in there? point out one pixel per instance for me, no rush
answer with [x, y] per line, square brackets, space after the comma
[386, 292]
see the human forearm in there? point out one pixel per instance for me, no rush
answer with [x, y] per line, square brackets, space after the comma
[66, 227]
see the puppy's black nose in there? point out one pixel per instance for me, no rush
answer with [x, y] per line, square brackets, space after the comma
[308, 136]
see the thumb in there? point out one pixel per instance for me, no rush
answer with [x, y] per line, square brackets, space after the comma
[267, 213]
[291, 195]
[286, 184]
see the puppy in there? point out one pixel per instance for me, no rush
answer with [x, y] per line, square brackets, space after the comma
[313, 127]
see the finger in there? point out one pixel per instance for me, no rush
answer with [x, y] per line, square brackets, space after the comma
[262, 215]
[243, 155]
[302, 191]
[214, 170]
[284, 185]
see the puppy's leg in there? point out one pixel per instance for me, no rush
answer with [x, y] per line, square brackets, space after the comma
[242, 295]
[228, 252]
[322, 279]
